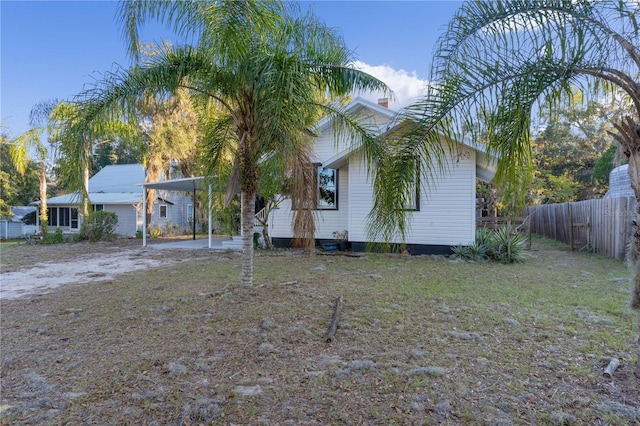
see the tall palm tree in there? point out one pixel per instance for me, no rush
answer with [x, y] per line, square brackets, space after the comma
[267, 70]
[76, 139]
[40, 119]
[500, 59]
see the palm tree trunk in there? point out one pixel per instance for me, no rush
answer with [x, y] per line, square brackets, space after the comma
[151, 176]
[629, 137]
[44, 215]
[248, 203]
[85, 182]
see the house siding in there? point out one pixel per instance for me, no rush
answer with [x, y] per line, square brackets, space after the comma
[447, 211]
[447, 206]
[327, 221]
[127, 218]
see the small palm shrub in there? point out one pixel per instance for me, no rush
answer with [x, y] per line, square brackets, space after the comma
[474, 251]
[503, 245]
[483, 236]
[507, 245]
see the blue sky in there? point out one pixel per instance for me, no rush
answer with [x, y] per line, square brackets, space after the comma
[52, 49]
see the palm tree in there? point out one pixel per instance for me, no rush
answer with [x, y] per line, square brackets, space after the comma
[76, 140]
[32, 141]
[262, 73]
[500, 59]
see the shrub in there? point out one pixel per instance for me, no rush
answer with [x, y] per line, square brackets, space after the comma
[99, 226]
[503, 245]
[507, 245]
[55, 237]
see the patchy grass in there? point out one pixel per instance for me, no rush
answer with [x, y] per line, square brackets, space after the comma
[422, 340]
[9, 243]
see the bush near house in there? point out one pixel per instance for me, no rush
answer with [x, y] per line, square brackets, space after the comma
[504, 245]
[100, 226]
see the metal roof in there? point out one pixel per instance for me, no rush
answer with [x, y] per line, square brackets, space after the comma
[118, 178]
[184, 184]
[96, 198]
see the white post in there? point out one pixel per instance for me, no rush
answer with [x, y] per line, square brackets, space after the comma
[144, 216]
[210, 216]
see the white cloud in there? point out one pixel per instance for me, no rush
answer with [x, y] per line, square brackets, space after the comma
[406, 86]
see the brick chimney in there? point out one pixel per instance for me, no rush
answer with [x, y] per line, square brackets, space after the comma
[383, 102]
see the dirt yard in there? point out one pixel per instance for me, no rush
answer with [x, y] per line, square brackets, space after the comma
[113, 333]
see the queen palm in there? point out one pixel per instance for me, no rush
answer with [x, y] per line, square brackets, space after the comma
[261, 73]
[498, 60]
[76, 140]
[41, 120]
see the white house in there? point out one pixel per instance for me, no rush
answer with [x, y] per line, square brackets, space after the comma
[443, 215]
[20, 224]
[118, 188]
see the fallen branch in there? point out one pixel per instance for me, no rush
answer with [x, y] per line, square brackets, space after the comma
[613, 364]
[334, 321]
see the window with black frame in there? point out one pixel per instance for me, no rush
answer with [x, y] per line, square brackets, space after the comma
[327, 189]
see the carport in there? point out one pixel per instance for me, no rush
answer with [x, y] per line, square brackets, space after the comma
[190, 185]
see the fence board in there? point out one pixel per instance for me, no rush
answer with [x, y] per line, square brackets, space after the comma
[605, 226]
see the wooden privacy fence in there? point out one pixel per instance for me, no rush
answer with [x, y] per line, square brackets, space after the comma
[604, 226]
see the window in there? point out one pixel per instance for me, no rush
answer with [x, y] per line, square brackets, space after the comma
[74, 219]
[190, 212]
[98, 207]
[52, 214]
[327, 189]
[63, 216]
[162, 213]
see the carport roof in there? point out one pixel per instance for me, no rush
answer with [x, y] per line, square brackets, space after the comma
[184, 184]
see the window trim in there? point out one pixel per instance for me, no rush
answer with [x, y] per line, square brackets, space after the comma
[166, 211]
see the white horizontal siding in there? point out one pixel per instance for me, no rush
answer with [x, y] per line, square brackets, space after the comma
[281, 220]
[330, 143]
[447, 206]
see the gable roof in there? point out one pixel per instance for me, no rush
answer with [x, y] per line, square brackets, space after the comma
[360, 104]
[118, 178]
[115, 184]
[485, 163]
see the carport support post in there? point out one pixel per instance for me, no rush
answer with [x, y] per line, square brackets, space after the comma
[193, 212]
[210, 215]
[144, 216]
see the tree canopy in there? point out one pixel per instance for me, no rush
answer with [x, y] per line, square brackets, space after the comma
[261, 74]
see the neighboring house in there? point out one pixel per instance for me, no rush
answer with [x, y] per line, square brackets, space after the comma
[21, 224]
[620, 183]
[118, 189]
[443, 213]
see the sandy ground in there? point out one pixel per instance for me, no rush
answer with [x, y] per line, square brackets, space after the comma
[84, 264]
[89, 268]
